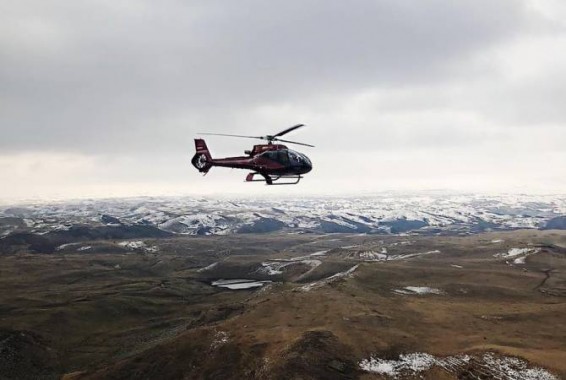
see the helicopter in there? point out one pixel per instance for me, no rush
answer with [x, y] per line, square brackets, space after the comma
[275, 164]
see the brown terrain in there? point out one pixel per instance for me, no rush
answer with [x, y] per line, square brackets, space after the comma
[149, 311]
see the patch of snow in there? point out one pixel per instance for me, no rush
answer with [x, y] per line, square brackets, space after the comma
[63, 246]
[518, 255]
[239, 284]
[488, 364]
[404, 242]
[272, 269]
[275, 268]
[407, 364]
[495, 241]
[383, 367]
[411, 255]
[383, 256]
[312, 263]
[491, 317]
[373, 256]
[419, 362]
[242, 285]
[401, 291]
[514, 368]
[456, 266]
[132, 244]
[138, 245]
[328, 280]
[220, 338]
[344, 274]
[519, 260]
[339, 221]
[85, 248]
[517, 251]
[307, 224]
[209, 267]
[420, 290]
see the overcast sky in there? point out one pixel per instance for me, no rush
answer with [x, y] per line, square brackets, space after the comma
[104, 97]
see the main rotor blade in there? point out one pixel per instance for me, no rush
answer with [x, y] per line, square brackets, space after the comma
[224, 134]
[288, 130]
[294, 142]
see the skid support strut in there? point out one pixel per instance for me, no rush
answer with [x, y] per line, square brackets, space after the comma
[273, 180]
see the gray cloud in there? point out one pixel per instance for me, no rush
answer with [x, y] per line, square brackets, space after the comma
[134, 81]
[91, 76]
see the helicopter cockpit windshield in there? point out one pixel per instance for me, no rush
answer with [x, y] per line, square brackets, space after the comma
[298, 159]
[289, 158]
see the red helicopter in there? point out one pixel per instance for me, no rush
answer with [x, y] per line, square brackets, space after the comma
[273, 162]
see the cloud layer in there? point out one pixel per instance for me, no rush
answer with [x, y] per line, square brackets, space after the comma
[473, 89]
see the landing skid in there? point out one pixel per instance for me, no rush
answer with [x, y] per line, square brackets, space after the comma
[270, 180]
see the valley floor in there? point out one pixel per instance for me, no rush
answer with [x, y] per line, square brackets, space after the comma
[321, 306]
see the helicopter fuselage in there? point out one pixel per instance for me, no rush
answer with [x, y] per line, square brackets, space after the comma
[271, 161]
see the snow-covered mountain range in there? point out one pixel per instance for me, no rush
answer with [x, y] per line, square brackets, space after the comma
[385, 213]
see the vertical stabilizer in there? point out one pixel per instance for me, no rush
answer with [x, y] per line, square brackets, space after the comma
[202, 160]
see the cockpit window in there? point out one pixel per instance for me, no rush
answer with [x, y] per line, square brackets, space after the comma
[283, 157]
[280, 156]
[294, 158]
[287, 157]
[297, 158]
[306, 159]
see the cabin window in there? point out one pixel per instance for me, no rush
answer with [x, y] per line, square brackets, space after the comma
[295, 158]
[283, 157]
[279, 156]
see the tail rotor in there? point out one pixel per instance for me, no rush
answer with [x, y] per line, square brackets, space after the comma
[202, 160]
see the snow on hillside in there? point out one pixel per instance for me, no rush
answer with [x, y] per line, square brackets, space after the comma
[138, 246]
[418, 290]
[328, 280]
[487, 365]
[519, 255]
[388, 213]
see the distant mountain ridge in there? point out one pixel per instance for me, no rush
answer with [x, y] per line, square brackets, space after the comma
[387, 214]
